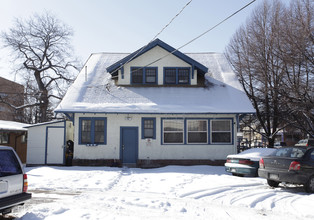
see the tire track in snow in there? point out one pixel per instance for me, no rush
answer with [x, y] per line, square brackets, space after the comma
[198, 194]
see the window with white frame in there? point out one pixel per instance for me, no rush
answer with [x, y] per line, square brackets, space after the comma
[173, 131]
[197, 131]
[221, 131]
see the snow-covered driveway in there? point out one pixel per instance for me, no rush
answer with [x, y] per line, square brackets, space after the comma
[173, 192]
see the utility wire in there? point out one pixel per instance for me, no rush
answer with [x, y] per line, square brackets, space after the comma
[158, 33]
[171, 21]
[210, 29]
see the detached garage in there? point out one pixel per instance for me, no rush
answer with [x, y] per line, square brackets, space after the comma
[47, 142]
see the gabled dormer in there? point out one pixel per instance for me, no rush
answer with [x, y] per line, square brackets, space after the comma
[157, 64]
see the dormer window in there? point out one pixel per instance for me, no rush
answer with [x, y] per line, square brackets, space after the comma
[176, 69]
[176, 75]
[144, 75]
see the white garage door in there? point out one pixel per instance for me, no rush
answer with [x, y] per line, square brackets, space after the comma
[55, 145]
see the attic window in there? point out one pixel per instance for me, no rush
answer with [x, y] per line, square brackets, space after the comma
[150, 75]
[183, 76]
[177, 75]
[143, 75]
[137, 75]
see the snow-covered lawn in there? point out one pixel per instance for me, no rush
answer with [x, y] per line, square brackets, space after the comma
[173, 192]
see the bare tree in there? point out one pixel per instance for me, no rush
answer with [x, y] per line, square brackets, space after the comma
[297, 54]
[43, 55]
[252, 53]
[272, 55]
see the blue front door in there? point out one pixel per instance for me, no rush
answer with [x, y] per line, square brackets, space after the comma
[129, 144]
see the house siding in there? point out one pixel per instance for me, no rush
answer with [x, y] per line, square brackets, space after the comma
[150, 151]
[151, 56]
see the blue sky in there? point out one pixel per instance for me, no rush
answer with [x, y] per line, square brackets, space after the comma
[127, 25]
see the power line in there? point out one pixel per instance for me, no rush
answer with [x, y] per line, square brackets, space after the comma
[171, 20]
[210, 29]
[217, 24]
[158, 33]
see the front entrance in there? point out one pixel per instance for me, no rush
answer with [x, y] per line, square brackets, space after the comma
[129, 145]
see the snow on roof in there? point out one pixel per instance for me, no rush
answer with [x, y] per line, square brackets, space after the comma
[254, 154]
[12, 126]
[95, 91]
[45, 123]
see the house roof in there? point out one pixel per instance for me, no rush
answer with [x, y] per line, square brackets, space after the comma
[94, 91]
[200, 67]
[45, 123]
[12, 126]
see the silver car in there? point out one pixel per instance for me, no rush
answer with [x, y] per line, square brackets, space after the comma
[13, 181]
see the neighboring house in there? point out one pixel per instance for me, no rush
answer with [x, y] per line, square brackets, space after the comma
[14, 134]
[289, 135]
[154, 107]
[11, 93]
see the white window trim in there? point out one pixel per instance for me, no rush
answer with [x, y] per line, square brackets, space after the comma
[163, 131]
[211, 131]
[187, 131]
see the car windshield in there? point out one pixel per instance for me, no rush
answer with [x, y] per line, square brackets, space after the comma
[9, 165]
[292, 152]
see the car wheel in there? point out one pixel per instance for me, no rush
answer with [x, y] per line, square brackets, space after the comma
[272, 183]
[309, 186]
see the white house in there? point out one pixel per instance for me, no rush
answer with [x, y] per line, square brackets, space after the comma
[154, 107]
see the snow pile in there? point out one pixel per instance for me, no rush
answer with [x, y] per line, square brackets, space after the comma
[173, 192]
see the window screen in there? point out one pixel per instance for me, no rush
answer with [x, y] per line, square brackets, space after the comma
[99, 131]
[197, 131]
[150, 75]
[221, 131]
[183, 76]
[137, 75]
[173, 131]
[86, 131]
[170, 76]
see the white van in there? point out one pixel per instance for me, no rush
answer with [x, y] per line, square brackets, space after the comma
[13, 181]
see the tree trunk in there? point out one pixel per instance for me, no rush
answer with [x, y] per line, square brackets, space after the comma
[43, 97]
